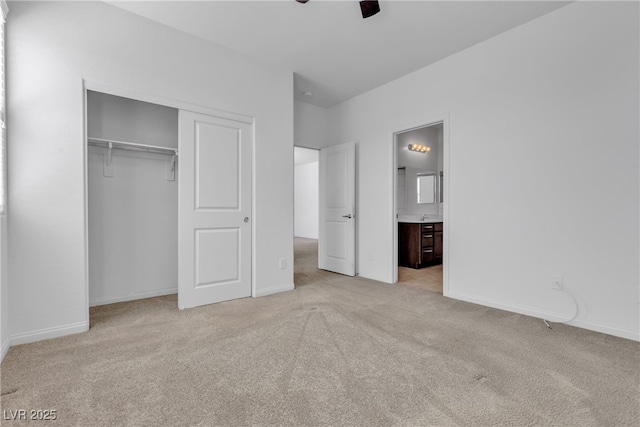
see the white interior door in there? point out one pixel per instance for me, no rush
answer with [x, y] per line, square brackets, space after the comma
[336, 243]
[214, 214]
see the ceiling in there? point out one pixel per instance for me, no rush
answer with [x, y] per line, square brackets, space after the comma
[333, 52]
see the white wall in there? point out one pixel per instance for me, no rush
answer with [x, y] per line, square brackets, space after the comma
[4, 264]
[4, 289]
[123, 119]
[133, 215]
[310, 125]
[51, 48]
[542, 165]
[306, 200]
[401, 192]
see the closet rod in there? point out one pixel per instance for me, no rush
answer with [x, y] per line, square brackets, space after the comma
[125, 145]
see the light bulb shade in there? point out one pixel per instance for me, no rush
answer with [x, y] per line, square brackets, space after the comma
[419, 148]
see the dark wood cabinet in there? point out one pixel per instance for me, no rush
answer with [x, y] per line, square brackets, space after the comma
[419, 244]
[437, 244]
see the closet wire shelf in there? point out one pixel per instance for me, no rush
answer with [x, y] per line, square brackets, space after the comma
[134, 146]
[125, 145]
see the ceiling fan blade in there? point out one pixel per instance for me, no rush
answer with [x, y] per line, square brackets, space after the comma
[369, 8]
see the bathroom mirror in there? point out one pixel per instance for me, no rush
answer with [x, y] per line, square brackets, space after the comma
[426, 187]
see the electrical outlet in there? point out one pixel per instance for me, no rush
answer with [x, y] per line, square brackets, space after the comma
[283, 263]
[557, 282]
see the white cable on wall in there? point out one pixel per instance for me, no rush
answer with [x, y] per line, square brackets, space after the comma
[575, 314]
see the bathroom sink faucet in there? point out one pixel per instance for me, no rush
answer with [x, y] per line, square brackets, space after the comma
[424, 216]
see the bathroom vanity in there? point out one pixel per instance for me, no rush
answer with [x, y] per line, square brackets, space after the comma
[419, 243]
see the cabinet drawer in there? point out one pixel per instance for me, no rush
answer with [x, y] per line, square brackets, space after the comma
[427, 255]
[427, 227]
[427, 240]
[437, 226]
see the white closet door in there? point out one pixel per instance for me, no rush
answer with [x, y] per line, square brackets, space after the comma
[215, 225]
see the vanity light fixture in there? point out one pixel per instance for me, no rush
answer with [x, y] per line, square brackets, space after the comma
[419, 148]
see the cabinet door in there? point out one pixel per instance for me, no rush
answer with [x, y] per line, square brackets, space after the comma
[428, 257]
[409, 245]
[427, 240]
[437, 247]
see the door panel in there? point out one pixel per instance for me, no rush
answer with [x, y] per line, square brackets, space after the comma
[336, 245]
[217, 161]
[214, 209]
[219, 247]
[336, 179]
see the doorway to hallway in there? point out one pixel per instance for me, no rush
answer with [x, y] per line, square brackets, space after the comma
[305, 212]
[306, 190]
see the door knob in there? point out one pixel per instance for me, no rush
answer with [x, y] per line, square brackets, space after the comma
[346, 216]
[246, 219]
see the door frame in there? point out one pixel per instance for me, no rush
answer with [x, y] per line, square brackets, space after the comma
[91, 85]
[413, 125]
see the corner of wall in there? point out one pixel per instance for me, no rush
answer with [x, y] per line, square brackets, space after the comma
[48, 333]
[4, 290]
[6, 344]
[310, 128]
[274, 290]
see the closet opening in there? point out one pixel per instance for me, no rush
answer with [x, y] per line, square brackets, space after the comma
[132, 190]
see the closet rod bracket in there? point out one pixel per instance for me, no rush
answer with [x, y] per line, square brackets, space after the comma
[171, 168]
[107, 169]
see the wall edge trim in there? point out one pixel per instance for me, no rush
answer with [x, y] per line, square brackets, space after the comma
[274, 290]
[131, 297]
[549, 316]
[48, 333]
[375, 278]
[5, 348]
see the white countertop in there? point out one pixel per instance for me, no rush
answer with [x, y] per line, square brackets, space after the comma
[420, 221]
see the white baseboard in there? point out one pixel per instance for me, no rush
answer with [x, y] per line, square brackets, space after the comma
[273, 290]
[48, 333]
[376, 278]
[5, 348]
[541, 314]
[308, 237]
[130, 297]
[616, 332]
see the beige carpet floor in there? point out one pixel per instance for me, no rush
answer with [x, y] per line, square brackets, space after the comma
[336, 351]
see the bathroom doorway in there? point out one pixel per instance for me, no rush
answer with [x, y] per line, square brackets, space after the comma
[419, 206]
